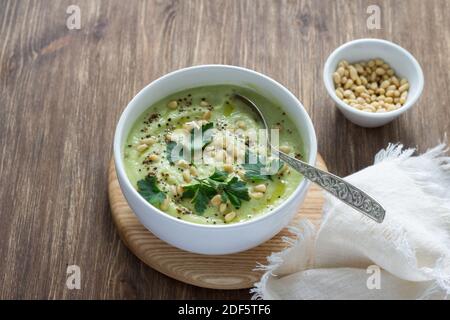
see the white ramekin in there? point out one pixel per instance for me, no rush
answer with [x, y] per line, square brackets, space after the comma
[404, 64]
[213, 239]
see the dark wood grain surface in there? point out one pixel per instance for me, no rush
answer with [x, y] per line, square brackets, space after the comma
[62, 92]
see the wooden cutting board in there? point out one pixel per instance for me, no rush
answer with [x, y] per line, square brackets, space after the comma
[233, 271]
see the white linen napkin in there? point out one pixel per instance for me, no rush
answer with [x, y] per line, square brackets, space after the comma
[352, 257]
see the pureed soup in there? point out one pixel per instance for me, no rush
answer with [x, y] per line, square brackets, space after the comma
[199, 156]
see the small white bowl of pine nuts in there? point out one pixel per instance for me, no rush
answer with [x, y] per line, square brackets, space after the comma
[372, 81]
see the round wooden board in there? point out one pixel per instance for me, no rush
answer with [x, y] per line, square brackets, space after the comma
[234, 271]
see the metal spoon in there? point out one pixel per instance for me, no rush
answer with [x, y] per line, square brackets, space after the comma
[344, 191]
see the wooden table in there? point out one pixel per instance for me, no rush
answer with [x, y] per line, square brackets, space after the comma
[62, 92]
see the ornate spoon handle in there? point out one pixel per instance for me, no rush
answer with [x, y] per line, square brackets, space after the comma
[341, 189]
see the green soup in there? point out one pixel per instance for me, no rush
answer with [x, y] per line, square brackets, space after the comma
[224, 189]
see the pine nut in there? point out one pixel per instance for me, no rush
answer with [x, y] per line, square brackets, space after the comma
[343, 63]
[285, 149]
[187, 175]
[336, 78]
[385, 84]
[183, 164]
[348, 84]
[363, 80]
[395, 81]
[153, 157]
[180, 190]
[380, 91]
[360, 89]
[390, 93]
[241, 125]
[403, 87]
[142, 147]
[365, 95]
[171, 180]
[165, 204]
[216, 200]
[348, 93]
[370, 107]
[172, 104]
[373, 76]
[149, 141]
[392, 108]
[353, 73]
[228, 167]
[193, 171]
[380, 71]
[203, 103]
[260, 188]
[256, 195]
[360, 100]
[359, 68]
[403, 81]
[339, 94]
[374, 86]
[392, 88]
[230, 216]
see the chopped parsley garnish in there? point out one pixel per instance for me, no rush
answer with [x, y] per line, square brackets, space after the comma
[149, 190]
[202, 192]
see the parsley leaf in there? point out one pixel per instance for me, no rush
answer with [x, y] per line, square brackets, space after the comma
[149, 190]
[235, 191]
[200, 193]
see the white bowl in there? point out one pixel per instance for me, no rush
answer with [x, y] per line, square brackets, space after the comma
[404, 64]
[213, 239]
